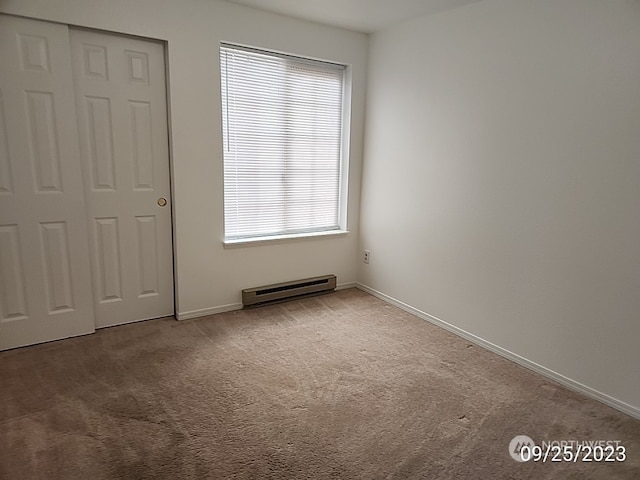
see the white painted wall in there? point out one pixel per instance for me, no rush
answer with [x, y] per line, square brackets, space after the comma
[501, 183]
[209, 276]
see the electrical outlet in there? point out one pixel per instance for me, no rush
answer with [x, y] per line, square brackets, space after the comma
[367, 255]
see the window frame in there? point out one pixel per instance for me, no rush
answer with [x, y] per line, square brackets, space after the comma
[344, 156]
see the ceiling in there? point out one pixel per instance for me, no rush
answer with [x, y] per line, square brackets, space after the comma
[360, 15]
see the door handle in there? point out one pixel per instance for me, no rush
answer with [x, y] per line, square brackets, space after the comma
[162, 202]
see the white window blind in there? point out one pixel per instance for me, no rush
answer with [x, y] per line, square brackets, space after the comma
[282, 135]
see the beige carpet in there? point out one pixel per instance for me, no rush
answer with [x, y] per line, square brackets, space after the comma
[339, 386]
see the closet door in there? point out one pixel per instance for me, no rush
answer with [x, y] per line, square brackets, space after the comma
[122, 121]
[45, 280]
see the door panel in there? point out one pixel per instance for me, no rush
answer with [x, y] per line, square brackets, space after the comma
[122, 121]
[45, 280]
[6, 179]
[108, 262]
[99, 143]
[14, 306]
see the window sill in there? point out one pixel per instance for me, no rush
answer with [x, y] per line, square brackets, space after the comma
[245, 242]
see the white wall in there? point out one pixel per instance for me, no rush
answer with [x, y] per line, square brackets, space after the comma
[501, 183]
[209, 276]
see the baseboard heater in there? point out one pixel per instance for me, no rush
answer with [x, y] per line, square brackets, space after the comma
[278, 292]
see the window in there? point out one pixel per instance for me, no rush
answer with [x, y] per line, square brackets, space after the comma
[282, 122]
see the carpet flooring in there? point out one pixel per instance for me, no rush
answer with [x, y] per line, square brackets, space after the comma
[340, 386]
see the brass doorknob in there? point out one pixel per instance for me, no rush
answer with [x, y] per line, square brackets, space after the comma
[162, 202]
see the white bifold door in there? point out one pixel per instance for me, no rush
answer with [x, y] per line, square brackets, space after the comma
[122, 121]
[85, 222]
[45, 279]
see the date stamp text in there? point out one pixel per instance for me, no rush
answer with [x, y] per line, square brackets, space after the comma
[523, 449]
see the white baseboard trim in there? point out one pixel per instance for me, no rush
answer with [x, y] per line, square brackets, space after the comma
[344, 286]
[567, 382]
[208, 311]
